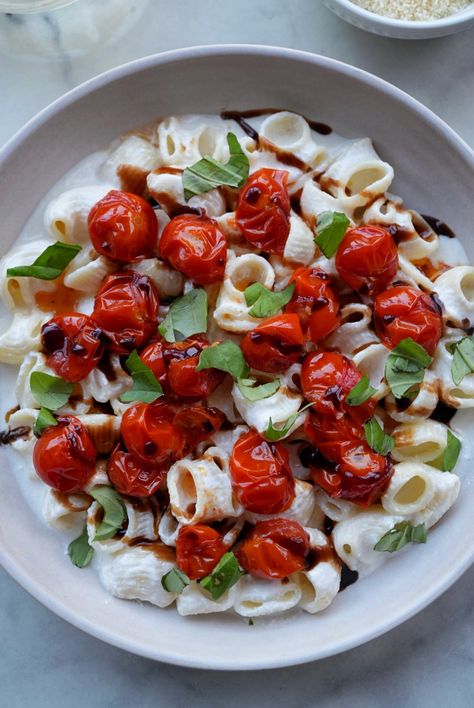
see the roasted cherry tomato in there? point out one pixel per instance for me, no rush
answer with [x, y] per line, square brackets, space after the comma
[123, 227]
[184, 379]
[326, 379]
[132, 477]
[153, 357]
[330, 433]
[64, 456]
[149, 432]
[263, 210]
[73, 343]
[126, 309]
[315, 303]
[198, 423]
[361, 475]
[275, 344]
[261, 475]
[195, 246]
[367, 259]
[198, 550]
[274, 549]
[404, 311]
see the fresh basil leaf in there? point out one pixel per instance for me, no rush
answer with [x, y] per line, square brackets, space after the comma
[265, 302]
[175, 581]
[80, 551]
[330, 230]
[49, 264]
[187, 315]
[463, 359]
[114, 511]
[226, 573]
[226, 356]
[273, 434]
[208, 173]
[251, 392]
[146, 387]
[51, 392]
[405, 367]
[400, 535]
[451, 454]
[361, 392]
[44, 420]
[377, 439]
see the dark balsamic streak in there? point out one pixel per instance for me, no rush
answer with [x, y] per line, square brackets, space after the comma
[9, 436]
[443, 413]
[438, 226]
[318, 127]
[348, 577]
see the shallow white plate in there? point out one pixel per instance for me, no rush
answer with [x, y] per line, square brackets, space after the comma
[435, 174]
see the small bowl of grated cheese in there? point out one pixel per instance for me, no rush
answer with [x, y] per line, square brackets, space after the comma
[406, 19]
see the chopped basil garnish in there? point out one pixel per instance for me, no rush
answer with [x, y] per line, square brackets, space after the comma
[264, 302]
[226, 356]
[405, 367]
[273, 434]
[463, 358]
[330, 230]
[226, 573]
[208, 173]
[80, 551]
[400, 535]
[361, 392]
[49, 264]
[451, 454]
[377, 439]
[51, 392]
[251, 392]
[187, 315]
[44, 420]
[114, 511]
[146, 387]
[175, 581]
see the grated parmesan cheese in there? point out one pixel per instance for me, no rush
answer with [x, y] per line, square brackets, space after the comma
[416, 10]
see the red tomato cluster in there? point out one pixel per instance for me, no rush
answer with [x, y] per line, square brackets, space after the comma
[274, 344]
[367, 259]
[274, 549]
[263, 210]
[73, 343]
[315, 303]
[198, 550]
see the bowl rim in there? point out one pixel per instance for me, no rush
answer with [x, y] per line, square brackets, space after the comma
[456, 19]
[155, 60]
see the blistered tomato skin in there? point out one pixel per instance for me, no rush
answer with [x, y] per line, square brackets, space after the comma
[263, 210]
[315, 303]
[150, 434]
[275, 344]
[123, 227]
[130, 476]
[261, 475]
[185, 381]
[64, 456]
[274, 549]
[330, 433]
[152, 356]
[198, 550]
[198, 423]
[126, 309]
[404, 311]
[195, 246]
[367, 259]
[73, 343]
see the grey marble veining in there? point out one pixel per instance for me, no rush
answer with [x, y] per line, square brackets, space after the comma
[428, 661]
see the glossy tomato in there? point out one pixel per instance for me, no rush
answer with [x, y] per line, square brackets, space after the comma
[315, 303]
[198, 424]
[367, 259]
[130, 476]
[123, 227]
[198, 550]
[274, 549]
[126, 309]
[149, 432]
[152, 356]
[64, 456]
[275, 344]
[263, 210]
[182, 359]
[73, 343]
[261, 475]
[405, 311]
[361, 475]
[326, 379]
[195, 246]
[330, 433]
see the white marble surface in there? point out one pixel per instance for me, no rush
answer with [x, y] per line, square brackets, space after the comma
[425, 662]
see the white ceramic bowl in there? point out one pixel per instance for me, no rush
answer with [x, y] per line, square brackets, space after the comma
[401, 29]
[435, 173]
